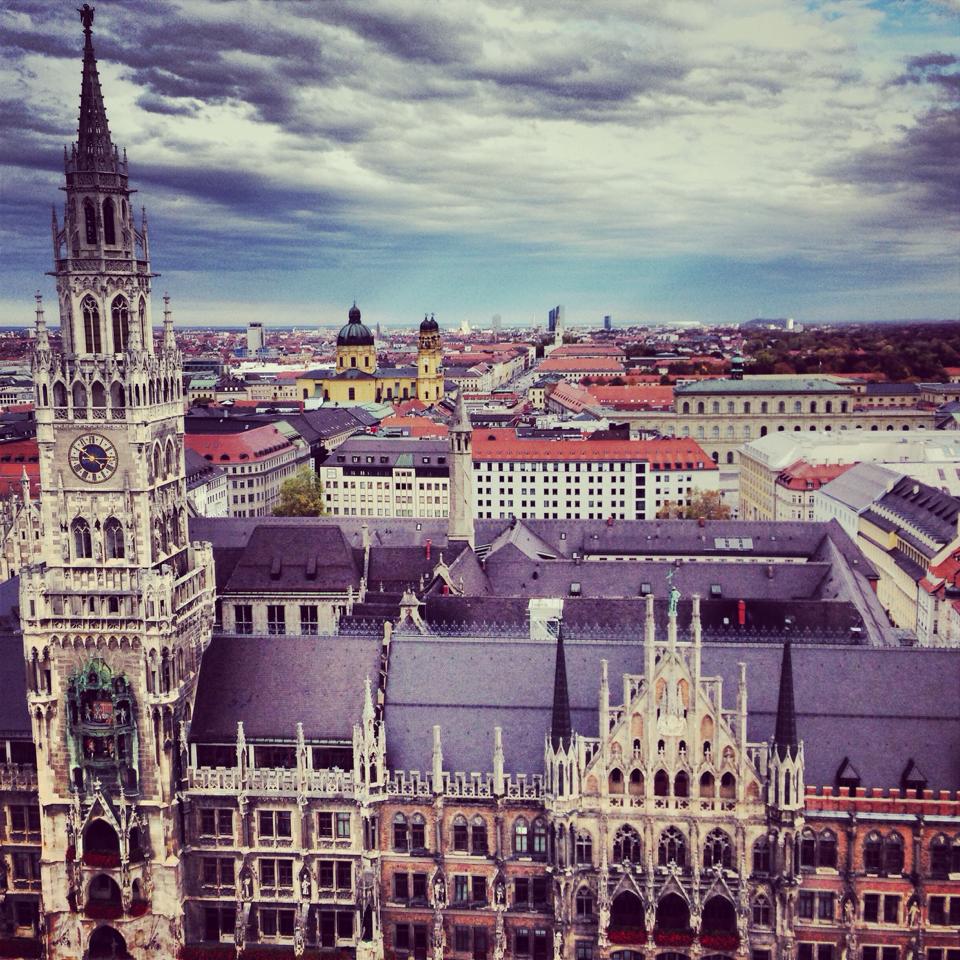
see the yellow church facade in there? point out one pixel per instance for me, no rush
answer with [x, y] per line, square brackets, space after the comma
[358, 378]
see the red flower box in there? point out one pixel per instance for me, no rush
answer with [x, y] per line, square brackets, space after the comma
[628, 935]
[720, 941]
[207, 952]
[97, 858]
[103, 910]
[19, 947]
[138, 908]
[672, 938]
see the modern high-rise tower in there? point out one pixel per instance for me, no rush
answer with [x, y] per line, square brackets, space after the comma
[119, 610]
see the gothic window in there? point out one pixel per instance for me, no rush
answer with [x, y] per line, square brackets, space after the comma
[681, 785]
[761, 856]
[142, 311]
[92, 338]
[90, 222]
[717, 851]
[539, 838]
[478, 837]
[584, 903]
[944, 856]
[461, 834]
[636, 782]
[113, 539]
[418, 832]
[120, 316]
[672, 848]
[807, 850]
[827, 850]
[171, 459]
[117, 399]
[98, 396]
[893, 853]
[728, 786]
[79, 396]
[626, 845]
[762, 914]
[872, 853]
[399, 832]
[59, 394]
[584, 848]
[82, 545]
[521, 838]
[661, 784]
[707, 785]
[156, 462]
[109, 223]
[615, 780]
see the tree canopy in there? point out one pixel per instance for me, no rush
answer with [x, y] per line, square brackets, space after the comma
[705, 503]
[301, 495]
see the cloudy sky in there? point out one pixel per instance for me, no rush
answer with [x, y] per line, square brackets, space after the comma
[697, 159]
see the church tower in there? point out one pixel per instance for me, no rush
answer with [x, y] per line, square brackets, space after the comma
[117, 612]
[460, 525]
[429, 362]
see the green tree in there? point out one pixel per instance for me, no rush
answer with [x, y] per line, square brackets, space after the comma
[706, 503]
[301, 495]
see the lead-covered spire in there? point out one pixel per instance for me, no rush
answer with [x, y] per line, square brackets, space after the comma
[785, 736]
[94, 148]
[561, 728]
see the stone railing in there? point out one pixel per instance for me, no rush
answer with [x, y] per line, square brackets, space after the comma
[464, 786]
[275, 781]
[15, 776]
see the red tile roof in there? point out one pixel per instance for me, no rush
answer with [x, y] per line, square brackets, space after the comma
[505, 445]
[581, 365]
[807, 476]
[636, 396]
[587, 350]
[252, 445]
[15, 455]
[415, 426]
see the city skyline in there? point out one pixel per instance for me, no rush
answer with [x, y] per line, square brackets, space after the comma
[294, 157]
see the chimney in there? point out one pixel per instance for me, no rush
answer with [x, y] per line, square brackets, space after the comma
[427, 547]
[701, 521]
[742, 612]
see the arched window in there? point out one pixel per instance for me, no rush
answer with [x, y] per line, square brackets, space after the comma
[82, 544]
[540, 838]
[827, 850]
[672, 848]
[763, 431]
[120, 316]
[731, 432]
[944, 856]
[700, 433]
[807, 850]
[700, 407]
[761, 855]
[729, 456]
[728, 786]
[661, 784]
[92, 338]
[59, 394]
[715, 433]
[109, 223]
[478, 837]
[746, 407]
[584, 903]
[893, 853]
[873, 852]
[584, 848]
[764, 407]
[117, 399]
[781, 407]
[636, 783]
[98, 396]
[90, 222]
[418, 831]
[707, 785]
[461, 834]
[79, 395]
[717, 851]
[681, 785]
[686, 407]
[762, 914]
[626, 845]
[828, 407]
[399, 832]
[715, 406]
[113, 539]
[731, 408]
[615, 780]
[521, 837]
[142, 312]
[170, 456]
[156, 462]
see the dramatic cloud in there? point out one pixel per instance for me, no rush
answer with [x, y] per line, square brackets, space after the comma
[500, 154]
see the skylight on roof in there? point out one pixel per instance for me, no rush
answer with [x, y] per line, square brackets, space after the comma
[733, 543]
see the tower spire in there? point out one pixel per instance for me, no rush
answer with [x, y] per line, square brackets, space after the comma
[560, 726]
[785, 736]
[94, 148]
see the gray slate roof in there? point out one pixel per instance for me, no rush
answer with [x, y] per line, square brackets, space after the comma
[879, 706]
[273, 683]
[756, 385]
[859, 486]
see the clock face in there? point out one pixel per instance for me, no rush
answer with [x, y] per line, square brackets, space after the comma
[93, 458]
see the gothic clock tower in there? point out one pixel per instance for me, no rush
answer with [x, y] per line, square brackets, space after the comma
[118, 612]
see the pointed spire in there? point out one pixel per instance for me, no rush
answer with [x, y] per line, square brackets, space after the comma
[437, 760]
[169, 340]
[368, 713]
[461, 416]
[42, 341]
[560, 727]
[498, 760]
[25, 485]
[785, 736]
[94, 149]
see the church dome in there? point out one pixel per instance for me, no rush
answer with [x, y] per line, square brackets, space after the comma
[429, 325]
[354, 334]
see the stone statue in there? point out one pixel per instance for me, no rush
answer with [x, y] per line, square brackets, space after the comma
[246, 885]
[557, 945]
[913, 912]
[439, 892]
[499, 894]
[305, 885]
[849, 911]
[674, 601]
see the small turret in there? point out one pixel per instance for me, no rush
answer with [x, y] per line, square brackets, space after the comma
[169, 340]
[785, 786]
[43, 339]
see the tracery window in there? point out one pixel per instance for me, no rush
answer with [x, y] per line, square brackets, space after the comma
[461, 834]
[399, 832]
[672, 847]
[82, 544]
[120, 316]
[762, 913]
[717, 851]
[539, 838]
[893, 853]
[584, 902]
[761, 855]
[90, 222]
[92, 338]
[109, 223]
[418, 832]
[626, 845]
[944, 856]
[873, 852]
[521, 838]
[113, 539]
[478, 837]
[584, 848]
